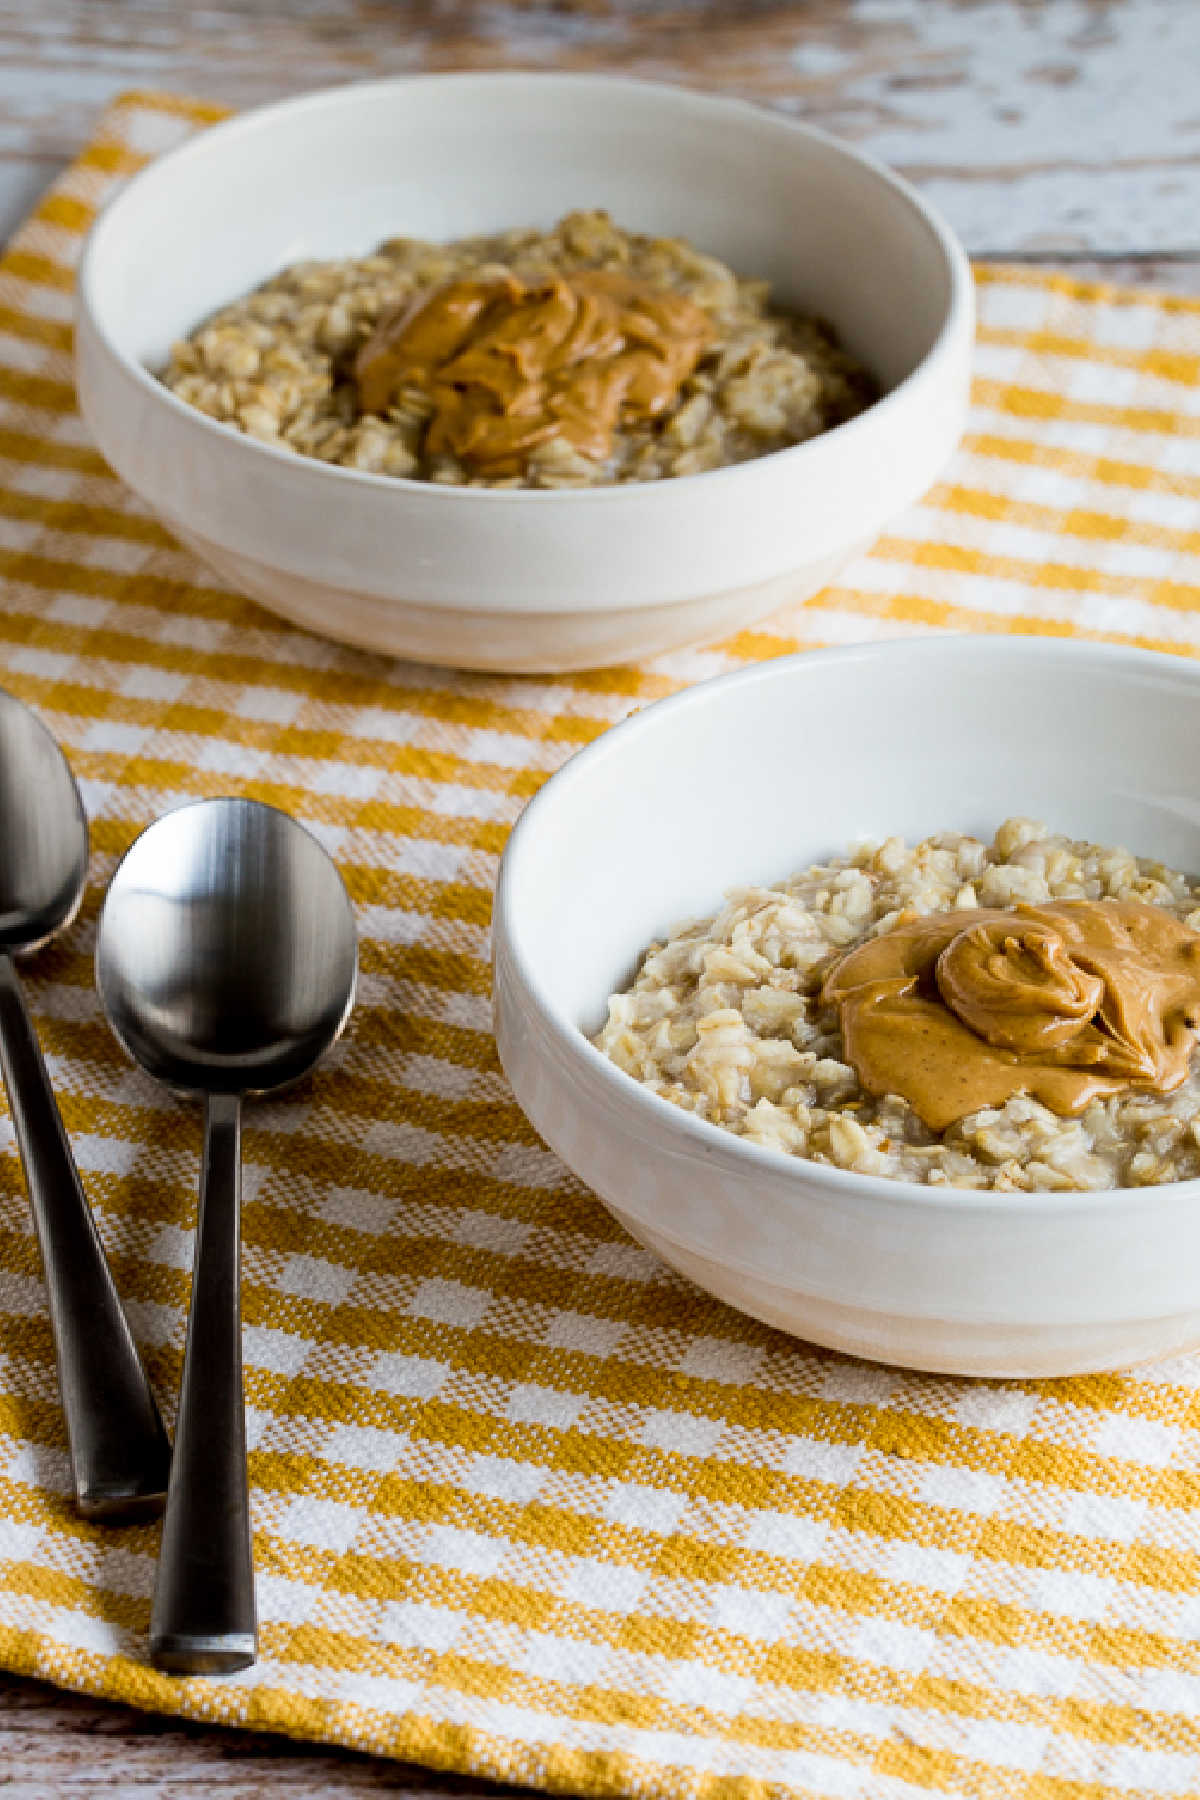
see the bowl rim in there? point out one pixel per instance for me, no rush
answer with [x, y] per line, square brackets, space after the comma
[957, 320]
[659, 1115]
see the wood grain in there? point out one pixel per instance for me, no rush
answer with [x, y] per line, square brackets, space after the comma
[1065, 127]
[56, 1746]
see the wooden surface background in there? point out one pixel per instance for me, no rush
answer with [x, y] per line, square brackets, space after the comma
[1050, 131]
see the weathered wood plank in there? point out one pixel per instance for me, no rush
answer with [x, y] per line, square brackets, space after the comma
[1070, 127]
[56, 1746]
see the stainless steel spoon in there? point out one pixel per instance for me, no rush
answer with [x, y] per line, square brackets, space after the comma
[226, 963]
[119, 1451]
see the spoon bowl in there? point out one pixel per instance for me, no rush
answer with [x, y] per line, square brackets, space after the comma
[227, 959]
[226, 962]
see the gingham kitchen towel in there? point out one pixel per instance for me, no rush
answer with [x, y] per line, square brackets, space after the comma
[524, 1502]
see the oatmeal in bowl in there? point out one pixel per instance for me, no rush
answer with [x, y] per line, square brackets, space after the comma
[999, 846]
[1015, 1015]
[573, 357]
[508, 444]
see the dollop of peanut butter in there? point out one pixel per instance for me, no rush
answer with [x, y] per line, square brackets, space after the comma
[508, 366]
[1065, 1002]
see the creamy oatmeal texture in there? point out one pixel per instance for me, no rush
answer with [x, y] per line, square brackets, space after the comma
[727, 1020]
[689, 368]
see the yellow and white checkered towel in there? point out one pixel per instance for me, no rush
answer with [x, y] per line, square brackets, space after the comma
[524, 1502]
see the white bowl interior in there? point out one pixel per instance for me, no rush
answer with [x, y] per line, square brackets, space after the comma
[751, 778]
[441, 158]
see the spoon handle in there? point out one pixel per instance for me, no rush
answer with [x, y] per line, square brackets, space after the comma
[202, 1620]
[119, 1451]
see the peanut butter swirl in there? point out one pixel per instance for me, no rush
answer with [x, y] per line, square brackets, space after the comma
[507, 366]
[1067, 1003]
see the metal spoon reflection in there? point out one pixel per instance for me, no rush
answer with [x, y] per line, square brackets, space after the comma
[119, 1451]
[226, 963]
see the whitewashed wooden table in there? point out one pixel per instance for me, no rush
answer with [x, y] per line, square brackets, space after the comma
[1064, 132]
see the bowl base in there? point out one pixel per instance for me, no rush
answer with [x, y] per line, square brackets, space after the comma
[509, 643]
[940, 1346]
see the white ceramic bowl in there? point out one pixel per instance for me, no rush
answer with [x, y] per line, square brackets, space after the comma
[504, 580]
[748, 778]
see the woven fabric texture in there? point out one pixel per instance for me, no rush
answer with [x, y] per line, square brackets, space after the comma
[524, 1502]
